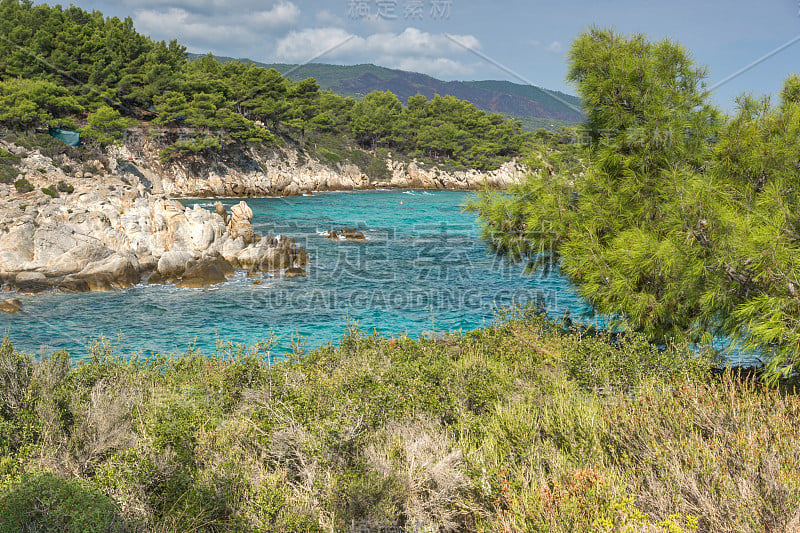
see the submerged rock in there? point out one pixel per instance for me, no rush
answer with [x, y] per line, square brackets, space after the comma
[347, 234]
[295, 272]
[12, 305]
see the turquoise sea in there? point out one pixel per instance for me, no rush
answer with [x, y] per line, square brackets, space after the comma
[424, 267]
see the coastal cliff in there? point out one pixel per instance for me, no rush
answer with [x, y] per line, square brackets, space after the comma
[289, 171]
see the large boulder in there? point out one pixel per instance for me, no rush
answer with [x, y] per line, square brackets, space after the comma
[221, 263]
[31, 281]
[117, 271]
[201, 275]
[172, 264]
[240, 223]
[264, 257]
[220, 210]
[77, 259]
[231, 248]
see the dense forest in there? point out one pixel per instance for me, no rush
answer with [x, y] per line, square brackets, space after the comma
[66, 67]
[676, 218]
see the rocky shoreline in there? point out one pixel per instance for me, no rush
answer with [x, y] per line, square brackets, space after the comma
[117, 222]
[289, 172]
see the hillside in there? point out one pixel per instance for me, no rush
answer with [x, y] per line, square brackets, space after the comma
[115, 81]
[524, 102]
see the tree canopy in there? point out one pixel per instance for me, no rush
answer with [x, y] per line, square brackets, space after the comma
[683, 222]
[61, 65]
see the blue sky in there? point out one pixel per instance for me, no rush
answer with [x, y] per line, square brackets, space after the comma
[528, 39]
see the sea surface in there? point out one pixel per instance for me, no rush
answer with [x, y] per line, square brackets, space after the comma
[423, 268]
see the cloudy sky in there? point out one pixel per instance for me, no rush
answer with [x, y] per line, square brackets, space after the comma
[459, 39]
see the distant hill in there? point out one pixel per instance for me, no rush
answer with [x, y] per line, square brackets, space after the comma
[534, 106]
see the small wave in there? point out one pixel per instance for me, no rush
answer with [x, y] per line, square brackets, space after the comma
[412, 193]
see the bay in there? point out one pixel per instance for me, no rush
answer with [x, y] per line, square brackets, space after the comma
[423, 267]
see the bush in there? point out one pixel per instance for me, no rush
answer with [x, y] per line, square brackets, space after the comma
[48, 146]
[107, 126]
[44, 502]
[330, 156]
[50, 191]
[22, 185]
[520, 426]
[64, 187]
[189, 147]
[8, 166]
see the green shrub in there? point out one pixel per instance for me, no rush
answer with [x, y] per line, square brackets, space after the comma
[330, 156]
[106, 126]
[8, 166]
[48, 146]
[189, 147]
[50, 191]
[64, 187]
[45, 502]
[520, 426]
[22, 185]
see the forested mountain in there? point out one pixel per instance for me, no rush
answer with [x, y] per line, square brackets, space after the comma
[67, 67]
[510, 99]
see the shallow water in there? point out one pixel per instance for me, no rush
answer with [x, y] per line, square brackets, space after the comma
[423, 268]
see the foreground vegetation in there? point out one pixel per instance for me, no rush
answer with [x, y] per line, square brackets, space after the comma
[521, 426]
[678, 218]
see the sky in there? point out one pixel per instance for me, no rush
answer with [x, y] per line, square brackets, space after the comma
[523, 42]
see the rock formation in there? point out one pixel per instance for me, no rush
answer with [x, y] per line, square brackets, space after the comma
[105, 237]
[287, 172]
[346, 234]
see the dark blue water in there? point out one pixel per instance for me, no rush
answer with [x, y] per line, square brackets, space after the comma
[423, 268]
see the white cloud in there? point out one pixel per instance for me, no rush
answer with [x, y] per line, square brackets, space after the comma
[554, 47]
[437, 67]
[213, 25]
[302, 45]
[281, 15]
[412, 49]
[178, 23]
[326, 18]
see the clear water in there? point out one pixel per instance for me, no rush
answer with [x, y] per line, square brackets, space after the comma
[424, 267]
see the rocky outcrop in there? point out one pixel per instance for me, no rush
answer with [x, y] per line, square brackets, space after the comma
[98, 239]
[240, 225]
[288, 172]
